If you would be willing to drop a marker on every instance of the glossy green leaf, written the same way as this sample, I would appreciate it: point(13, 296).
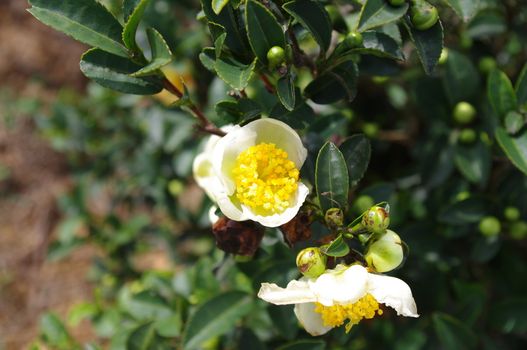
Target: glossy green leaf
point(312, 16)
point(285, 88)
point(238, 111)
point(501, 94)
point(215, 317)
point(466, 9)
point(461, 80)
point(429, 45)
point(452, 333)
point(514, 122)
point(514, 147)
point(521, 87)
point(337, 248)
point(207, 57)
point(284, 320)
point(336, 83)
point(467, 211)
point(376, 13)
point(218, 5)
point(263, 30)
point(356, 151)
point(474, 162)
point(145, 306)
point(510, 316)
point(331, 177)
point(304, 345)
point(84, 20)
point(486, 24)
point(380, 44)
point(132, 22)
point(114, 72)
point(234, 73)
point(161, 54)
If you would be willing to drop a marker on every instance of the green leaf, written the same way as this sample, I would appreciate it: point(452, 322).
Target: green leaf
point(285, 88)
point(473, 162)
point(238, 111)
point(284, 320)
point(467, 211)
point(54, 332)
point(514, 121)
point(161, 54)
point(145, 306)
point(336, 83)
point(314, 18)
point(331, 178)
point(461, 79)
point(169, 326)
point(510, 316)
point(429, 44)
point(337, 248)
point(133, 11)
point(249, 340)
point(143, 337)
point(376, 13)
point(514, 147)
point(466, 9)
point(452, 333)
point(304, 345)
point(234, 73)
point(215, 317)
point(521, 87)
point(486, 24)
point(207, 57)
point(114, 72)
point(84, 20)
point(381, 45)
point(263, 29)
point(218, 5)
point(501, 94)
point(356, 151)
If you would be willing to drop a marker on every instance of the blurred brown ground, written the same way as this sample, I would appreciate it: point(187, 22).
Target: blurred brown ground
point(35, 61)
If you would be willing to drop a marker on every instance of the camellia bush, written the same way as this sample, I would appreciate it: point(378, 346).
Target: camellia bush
point(337, 144)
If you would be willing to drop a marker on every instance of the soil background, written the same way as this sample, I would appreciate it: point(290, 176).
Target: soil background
point(35, 62)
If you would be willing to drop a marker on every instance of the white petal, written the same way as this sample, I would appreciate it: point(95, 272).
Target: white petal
point(205, 176)
point(276, 220)
point(295, 292)
point(394, 293)
point(341, 286)
point(230, 206)
point(282, 135)
point(212, 214)
point(310, 320)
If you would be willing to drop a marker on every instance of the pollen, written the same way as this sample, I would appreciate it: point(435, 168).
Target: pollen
point(333, 316)
point(265, 178)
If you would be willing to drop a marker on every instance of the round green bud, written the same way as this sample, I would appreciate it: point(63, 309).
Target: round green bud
point(370, 129)
point(465, 41)
point(311, 262)
point(489, 226)
point(354, 39)
point(518, 230)
point(486, 64)
point(276, 56)
point(461, 196)
point(334, 217)
point(511, 213)
point(444, 56)
point(175, 187)
point(386, 253)
point(485, 138)
point(464, 113)
point(423, 15)
point(468, 136)
point(363, 203)
point(396, 2)
point(376, 219)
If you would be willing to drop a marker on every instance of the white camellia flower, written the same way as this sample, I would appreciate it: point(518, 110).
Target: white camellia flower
point(252, 173)
point(345, 293)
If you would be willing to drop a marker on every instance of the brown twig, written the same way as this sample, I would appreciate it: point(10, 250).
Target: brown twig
point(299, 56)
point(268, 85)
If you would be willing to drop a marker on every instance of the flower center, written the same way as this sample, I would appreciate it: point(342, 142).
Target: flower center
point(366, 307)
point(265, 178)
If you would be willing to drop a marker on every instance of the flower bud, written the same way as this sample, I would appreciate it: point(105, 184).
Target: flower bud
point(464, 113)
point(376, 219)
point(468, 136)
point(386, 253)
point(518, 230)
point(511, 213)
point(363, 203)
point(354, 39)
point(423, 15)
point(334, 217)
point(311, 262)
point(276, 56)
point(489, 226)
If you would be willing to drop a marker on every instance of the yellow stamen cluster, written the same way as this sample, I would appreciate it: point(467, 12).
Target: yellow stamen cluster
point(366, 307)
point(265, 178)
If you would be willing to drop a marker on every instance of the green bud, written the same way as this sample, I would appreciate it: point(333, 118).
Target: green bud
point(386, 253)
point(444, 56)
point(276, 56)
point(423, 15)
point(464, 113)
point(396, 2)
point(370, 129)
point(468, 136)
point(489, 226)
point(311, 262)
point(461, 196)
point(354, 39)
point(487, 64)
point(334, 217)
point(518, 230)
point(511, 213)
point(363, 203)
point(376, 219)
point(380, 79)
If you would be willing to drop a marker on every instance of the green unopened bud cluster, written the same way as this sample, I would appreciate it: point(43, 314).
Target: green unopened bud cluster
point(276, 57)
point(311, 262)
point(334, 218)
point(386, 253)
point(376, 219)
point(423, 15)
